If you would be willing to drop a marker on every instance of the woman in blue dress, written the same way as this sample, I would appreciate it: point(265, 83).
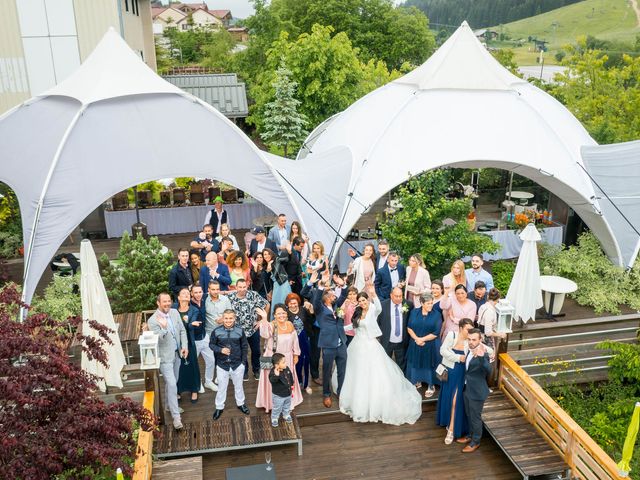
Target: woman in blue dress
point(424, 328)
point(450, 411)
point(189, 375)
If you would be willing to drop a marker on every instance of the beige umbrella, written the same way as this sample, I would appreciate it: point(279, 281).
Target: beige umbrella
point(95, 306)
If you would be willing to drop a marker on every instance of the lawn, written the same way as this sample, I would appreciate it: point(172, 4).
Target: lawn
point(605, 19)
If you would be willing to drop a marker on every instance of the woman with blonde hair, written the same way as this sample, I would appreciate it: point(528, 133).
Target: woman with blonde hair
point(317, 261)
point(238, 268)
point(454, 277)
point(225, 231)
point(418, 280)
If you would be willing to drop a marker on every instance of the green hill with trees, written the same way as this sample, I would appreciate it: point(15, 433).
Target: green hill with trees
point(483, 13)
point(611, 21)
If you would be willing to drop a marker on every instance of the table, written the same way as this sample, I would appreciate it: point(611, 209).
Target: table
point(555, 288)
point(511, 243)
point(161, 221)
point(522, 196)
point(251, 472)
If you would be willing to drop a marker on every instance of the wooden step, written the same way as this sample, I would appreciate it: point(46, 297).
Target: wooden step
point(178, 469)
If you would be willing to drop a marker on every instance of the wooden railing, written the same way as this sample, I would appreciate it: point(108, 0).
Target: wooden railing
point(585, 458)
point(144, 459)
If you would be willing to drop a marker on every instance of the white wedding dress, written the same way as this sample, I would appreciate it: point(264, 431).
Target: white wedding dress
point(374, 388)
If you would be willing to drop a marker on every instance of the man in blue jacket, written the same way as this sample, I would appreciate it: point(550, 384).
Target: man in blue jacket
point(230, 347)
point(391, 275)
point(214, 270)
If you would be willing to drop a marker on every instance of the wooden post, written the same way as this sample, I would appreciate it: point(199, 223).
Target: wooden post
point(152, 384)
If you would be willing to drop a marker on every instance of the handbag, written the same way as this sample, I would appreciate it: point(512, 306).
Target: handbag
point(265, 361)
point(442, 373)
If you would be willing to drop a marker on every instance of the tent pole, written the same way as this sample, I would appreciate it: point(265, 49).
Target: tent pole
point(510, 184)
point(43, 194)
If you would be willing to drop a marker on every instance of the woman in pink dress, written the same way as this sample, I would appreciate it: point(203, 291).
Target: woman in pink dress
point(461, 307)
point(286, 344)
point(418, 280)
point(364, 268)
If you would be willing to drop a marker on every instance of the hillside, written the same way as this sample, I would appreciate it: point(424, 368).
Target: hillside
point(604, 19)
point(483, 13)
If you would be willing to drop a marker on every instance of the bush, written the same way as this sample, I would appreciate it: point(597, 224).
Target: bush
point(141, 273)
point(502, 272)
point(601, 284)
point(10, 243)
point(419, 226)
point(61, 298)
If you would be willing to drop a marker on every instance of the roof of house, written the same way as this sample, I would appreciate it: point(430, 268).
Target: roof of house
point(155, 11)
point(202, 9)
point(220, 13)
point(221, 91)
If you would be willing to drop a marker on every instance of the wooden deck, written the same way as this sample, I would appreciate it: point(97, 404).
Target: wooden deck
point(519, 440)
point(225, 434)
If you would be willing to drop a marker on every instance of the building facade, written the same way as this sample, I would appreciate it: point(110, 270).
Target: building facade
point(43, 41)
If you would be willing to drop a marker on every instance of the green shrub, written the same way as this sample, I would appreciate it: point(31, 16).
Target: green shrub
point(139, 275)
point(9, 244)
point(502, 272)
point(601, 284)
point(61, 298)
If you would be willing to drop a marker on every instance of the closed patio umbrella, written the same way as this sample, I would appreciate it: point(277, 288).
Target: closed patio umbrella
point(524, 292)
point(629, 443)
point(95, 306)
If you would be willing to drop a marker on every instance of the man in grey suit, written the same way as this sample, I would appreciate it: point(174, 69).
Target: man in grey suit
point(476, 390)
point(280, 233)
point(172, 345)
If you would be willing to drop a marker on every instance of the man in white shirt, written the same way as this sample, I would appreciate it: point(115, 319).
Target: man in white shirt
point(280, 233)
point(217, 216)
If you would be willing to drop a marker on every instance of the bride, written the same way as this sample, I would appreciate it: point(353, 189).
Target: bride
point(374, 388)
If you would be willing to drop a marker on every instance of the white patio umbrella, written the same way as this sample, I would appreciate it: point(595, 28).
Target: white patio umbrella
point(95, 306)
point(524, 292)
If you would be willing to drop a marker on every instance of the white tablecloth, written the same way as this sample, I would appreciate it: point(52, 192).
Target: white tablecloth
point(511, 243)
point(167, 220)
point(508, 239)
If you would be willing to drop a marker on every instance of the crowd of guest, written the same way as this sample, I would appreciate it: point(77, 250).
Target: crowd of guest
point(263, 312)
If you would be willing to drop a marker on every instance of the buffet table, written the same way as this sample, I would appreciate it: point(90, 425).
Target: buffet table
point(166, 220)
point(511, 243)
point(508, 239)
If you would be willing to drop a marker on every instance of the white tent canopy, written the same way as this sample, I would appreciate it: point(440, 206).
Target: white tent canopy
point(113, 124)
point(461, 108)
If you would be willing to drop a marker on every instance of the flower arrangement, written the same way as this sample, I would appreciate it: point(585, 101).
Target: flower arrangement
point(340, 312)
point(405, 308)
point(521, 220)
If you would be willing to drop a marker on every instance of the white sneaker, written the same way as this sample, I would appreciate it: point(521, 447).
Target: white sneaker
point(201, 389)
point(211, 386)
point(177, 423)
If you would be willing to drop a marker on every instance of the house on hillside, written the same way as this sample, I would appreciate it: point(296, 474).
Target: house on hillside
point(200, 18)
point(165, 17)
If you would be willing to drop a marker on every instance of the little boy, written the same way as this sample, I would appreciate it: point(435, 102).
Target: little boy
point(281, 380)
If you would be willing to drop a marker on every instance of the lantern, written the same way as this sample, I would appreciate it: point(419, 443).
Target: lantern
point(149, 357)
point(505, 312)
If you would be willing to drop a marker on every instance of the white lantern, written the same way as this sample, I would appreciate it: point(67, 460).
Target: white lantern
point(505, 312)
point(149, 358)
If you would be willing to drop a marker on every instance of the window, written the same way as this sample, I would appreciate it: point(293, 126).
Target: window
point(136, 7)
point(126, 5)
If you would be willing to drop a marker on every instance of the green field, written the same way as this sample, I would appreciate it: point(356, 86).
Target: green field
point(604, 19)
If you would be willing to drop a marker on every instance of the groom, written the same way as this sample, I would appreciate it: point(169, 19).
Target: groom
point(476, 390)
point(332, 339)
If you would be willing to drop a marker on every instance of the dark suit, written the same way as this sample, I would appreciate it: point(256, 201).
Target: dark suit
point(332, 340)
point(292, 266)
point(179, 278)
point(383, 280)
point(253, 246)
point(475, 393)
point(386, 322)
point(223, 277)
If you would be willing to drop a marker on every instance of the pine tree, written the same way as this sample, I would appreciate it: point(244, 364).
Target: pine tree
point(283, 124)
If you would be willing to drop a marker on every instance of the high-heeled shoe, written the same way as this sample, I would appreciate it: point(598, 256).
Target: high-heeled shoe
point(448, 440)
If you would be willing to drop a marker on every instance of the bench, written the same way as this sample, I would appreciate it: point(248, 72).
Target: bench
point(523, 445)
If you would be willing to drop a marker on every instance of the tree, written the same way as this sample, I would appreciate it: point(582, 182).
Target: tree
point(139, 275)
point(420, 227)
point(605, 100)
point(61, 298)
point(283, 124)
point(326, 67)
point(217, 53)
point(54, 424)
